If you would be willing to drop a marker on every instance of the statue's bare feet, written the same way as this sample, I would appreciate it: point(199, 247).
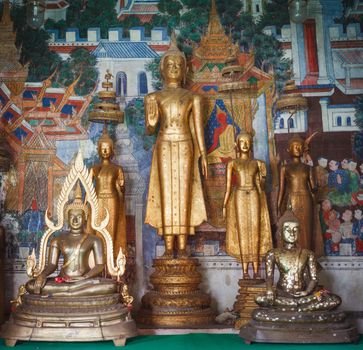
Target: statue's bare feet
point(256, 276)
point(182, 254)
point(246, 276)
point(168, 255)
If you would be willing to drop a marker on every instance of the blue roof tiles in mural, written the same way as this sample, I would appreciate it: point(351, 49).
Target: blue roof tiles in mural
point(124, 49)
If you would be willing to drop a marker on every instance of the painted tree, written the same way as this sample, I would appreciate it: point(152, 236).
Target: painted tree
point(81, 64)
point(358, 138)
point(101, 14)
point(275, 13)
point(33, 45)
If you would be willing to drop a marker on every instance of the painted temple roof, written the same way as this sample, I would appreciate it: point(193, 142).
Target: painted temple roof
point(351, 57)
point(56, 4)
point(144, 10)
point(210, 56)
point(124, 49)
point(52, 112)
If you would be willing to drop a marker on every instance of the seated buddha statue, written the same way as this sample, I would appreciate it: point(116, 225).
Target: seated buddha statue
point(76, 277)
point(297, 288)
point(77, 304)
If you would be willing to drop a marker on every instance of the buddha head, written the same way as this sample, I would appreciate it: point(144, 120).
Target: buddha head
point(173, 64)
point(289, 227)
point(105, 145)
point(244, 142)
point(76, 211)
point(296, 147)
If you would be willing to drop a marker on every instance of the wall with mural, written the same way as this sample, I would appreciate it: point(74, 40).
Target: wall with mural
point(49, 79)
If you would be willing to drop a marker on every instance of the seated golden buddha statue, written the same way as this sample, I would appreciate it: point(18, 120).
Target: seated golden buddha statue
point(297, 287)
point(78, 304)
point(76, 277)
point(297, 309)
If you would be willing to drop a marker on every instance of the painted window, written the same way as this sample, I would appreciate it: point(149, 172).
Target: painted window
point(291, 123)
point(349, 121)
point(142, 83)
point(282, 123)
point(121, 84)
point(339, 121)
point(257, 8)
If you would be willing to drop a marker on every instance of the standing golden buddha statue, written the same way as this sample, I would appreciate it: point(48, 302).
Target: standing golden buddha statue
point(297, 184)
point(110, 189)
point(175, 201)
point(248, 234)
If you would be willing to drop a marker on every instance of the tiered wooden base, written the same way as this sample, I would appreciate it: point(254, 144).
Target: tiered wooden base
point(272, 325)
point(70, 319)
point(245, 303)
point(175, 301)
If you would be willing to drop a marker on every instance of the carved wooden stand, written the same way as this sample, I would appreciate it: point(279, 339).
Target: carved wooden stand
point(245, 302)
point(175, 300)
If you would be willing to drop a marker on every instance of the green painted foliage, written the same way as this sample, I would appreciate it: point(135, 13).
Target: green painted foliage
point(101, 14)
point(359, 112)
point(80, 63)
point(34, 47)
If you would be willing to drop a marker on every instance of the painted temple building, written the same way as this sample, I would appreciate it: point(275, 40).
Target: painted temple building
point(124, 57)
point(327, 69)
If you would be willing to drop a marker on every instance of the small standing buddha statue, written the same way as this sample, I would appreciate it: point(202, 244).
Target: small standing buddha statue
point(110, 190)
point(297, 310)
point(297, 186)
point(248, 235)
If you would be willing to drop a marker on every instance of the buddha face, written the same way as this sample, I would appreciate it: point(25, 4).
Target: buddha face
point(290, 231)
point(244, 143)
point(76, 219)
point(296, 148)
point(173, 68)
point(105, 150)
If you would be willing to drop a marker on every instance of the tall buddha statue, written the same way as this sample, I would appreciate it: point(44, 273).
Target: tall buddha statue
point(110, 190)
point(248, 235)
point(297, 185)
point(175, 201)
point(76, 277)
point(296, 309)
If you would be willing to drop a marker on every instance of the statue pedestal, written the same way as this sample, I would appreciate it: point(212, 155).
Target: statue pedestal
point(273, 325)
point(245, 302)
point(175, 300)
point(70, 319)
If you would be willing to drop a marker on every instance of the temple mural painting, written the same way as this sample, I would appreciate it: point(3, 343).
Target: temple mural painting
point(239, 64)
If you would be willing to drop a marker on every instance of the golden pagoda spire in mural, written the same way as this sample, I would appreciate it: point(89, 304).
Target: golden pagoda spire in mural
point(6, 20)
point(12, 73)
point(214, 25)
point(215, 46)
